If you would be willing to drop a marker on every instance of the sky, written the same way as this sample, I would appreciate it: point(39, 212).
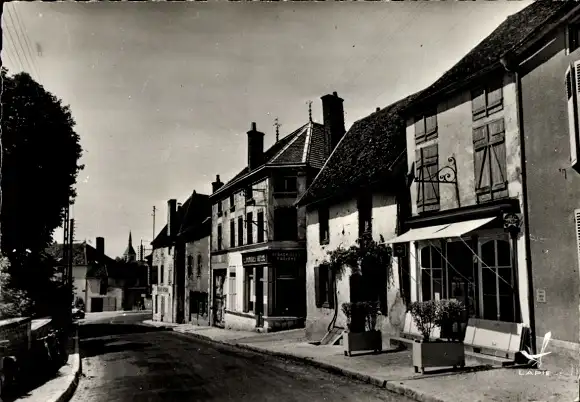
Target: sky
point(164, 93)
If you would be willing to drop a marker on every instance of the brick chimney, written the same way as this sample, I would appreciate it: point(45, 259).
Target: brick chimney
point(171, 212)
point(333, 115)
point(100, 246)
point(217, 184)
point(255, 148)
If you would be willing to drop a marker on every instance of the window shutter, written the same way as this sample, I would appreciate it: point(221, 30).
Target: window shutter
point(577, 230)
point(247, 290)
point(419, 129)
point(317, 287)
point(330, 289)
point(497, 155)
point(478, 101)
point(419, 175)
point(480, 158)
point(431, 125)
point(495, 94)
point(573, 91)
point(430, 168)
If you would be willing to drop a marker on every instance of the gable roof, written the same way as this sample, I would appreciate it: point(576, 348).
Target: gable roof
point(306, 145)
point(83, 254)
point(365, 155)
point(512, 33)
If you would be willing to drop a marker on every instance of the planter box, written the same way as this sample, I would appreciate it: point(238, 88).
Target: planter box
point(358, 341)
point(438, 354)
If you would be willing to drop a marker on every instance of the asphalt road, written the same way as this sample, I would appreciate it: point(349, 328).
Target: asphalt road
point(128, 362)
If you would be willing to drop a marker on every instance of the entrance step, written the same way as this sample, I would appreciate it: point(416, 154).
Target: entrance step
point(333, 336)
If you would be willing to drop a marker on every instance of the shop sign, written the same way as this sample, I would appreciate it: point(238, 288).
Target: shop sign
point(254, 259)
point(400, 250)
point(162, 289)
point(511, 221)
point(286, 256)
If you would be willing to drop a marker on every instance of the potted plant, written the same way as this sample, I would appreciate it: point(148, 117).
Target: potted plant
point(437, 353)
point(361, 322)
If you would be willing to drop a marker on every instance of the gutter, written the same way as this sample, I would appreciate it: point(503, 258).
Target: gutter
point(510, 66)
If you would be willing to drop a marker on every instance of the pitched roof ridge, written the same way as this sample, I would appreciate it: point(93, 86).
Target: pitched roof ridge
point(296, 135)
point(307, 142)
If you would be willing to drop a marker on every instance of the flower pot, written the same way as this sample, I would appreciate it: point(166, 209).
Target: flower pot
point(438, 354)
point(359, 341)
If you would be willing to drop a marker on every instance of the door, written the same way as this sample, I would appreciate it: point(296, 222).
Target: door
point(96, 304)
point(219, 298)
point(162, 307)
point(462, 276)
point(259, 297)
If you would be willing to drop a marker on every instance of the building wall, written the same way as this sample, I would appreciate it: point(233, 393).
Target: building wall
point(163, 256)
point(79, 282)
point(553, 190)
point(112, 301)
point(343, 230)
point(199, 281)
point(455, 138)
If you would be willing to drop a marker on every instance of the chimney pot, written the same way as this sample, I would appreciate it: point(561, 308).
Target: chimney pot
point(253, 126)
point(217, 184)
point(100, 245)
point(171, 224)
point(255, 148)
point(335, 94)
point(378, 109)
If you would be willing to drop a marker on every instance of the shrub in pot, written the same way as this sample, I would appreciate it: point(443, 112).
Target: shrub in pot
point(362, 334)
point(428, 353)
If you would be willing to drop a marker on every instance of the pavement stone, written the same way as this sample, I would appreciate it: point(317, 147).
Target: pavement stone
point(393, 370)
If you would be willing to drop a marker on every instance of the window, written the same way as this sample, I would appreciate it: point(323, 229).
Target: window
point(170, 277)
point(189, 266)
point(324, 286)
point(426, 127)
point(154, 275)
point(240, 231)
point(427, 165)
point(497, 281)
point(249, 228)
point(323, 226)
point(489, 156)
point(249, 289)
point(232, 203)
point(103, 286)
point(232, 233)
point(219, 208)
point(285, 185)
point(232, 291)
point(365, 214)
point(573, 37)
point(156, 304)
point(285, 223)
point(260, 225)
point(487, 99)
point(162, 275)
point(572, 91)
point(199, 265)
point(249, 193)
point(219, 237)
point(432, 284)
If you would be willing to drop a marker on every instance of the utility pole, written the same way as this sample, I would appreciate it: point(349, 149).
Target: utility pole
point(1, 117)
point(70, 257)
point(65, 246)
point(154, 209)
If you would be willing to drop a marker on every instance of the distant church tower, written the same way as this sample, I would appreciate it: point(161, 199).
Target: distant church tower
point(129, 255)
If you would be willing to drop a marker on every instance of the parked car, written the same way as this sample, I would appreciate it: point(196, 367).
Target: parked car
point(78, 313)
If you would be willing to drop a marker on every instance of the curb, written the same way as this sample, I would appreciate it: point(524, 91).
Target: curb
point(385, 384)
point(77, 371)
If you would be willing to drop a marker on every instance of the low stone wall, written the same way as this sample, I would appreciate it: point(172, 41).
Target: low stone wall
point(17, 331)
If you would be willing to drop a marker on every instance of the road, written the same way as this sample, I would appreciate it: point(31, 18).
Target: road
point(127, 362)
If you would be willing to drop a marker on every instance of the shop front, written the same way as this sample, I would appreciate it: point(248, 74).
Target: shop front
point(480, 263)
point(272, 291)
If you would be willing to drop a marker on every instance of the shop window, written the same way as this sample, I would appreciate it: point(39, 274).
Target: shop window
point(260, 228)
point(232, 295)
point(427, 165)
point(324, 286)
point(249, 288)
point(489, 157)
point(497, 276)
point(432, 279)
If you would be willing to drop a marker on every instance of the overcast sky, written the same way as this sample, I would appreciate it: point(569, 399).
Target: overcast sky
point(163, 93)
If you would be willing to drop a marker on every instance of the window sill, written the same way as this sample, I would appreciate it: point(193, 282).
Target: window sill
point(287, 194)
point(251, 202)
point(324, 242)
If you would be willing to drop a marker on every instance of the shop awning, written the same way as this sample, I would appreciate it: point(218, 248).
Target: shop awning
point(455, 229)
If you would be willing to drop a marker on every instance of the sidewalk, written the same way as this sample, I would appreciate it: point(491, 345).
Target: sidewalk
point(394, 370)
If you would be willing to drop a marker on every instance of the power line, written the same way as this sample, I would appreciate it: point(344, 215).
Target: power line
point(13, 43)
point(31, 68)
point(27, 42)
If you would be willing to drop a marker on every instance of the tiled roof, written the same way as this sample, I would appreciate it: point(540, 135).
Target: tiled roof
point(508, 36)
point(83, 254)
point(364, 155)
point(306, 145)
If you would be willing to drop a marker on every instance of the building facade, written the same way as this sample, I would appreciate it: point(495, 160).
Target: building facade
point(258, 236)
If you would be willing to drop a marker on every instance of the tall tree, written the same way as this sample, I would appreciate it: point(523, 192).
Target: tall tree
point(39, 167)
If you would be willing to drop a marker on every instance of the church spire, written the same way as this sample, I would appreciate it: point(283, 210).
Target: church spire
point(130, 255)
point(130, 240)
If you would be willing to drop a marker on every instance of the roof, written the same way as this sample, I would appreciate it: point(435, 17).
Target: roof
point(306, 145)
point(365, 154)
point(189, 219)
point(83, 254)
point(508, 36)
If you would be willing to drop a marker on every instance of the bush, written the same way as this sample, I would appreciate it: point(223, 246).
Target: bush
point(442, 313)
point(361, 316)
point(425, 317)
point(449, 314)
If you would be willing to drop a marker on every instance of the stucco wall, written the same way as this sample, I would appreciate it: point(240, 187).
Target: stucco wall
point(343, 228)
point(553, 190)
point(199, 280)
point(164, 256)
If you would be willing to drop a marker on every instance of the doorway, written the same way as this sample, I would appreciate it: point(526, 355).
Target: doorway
point(96, 304)
point(462, 277)
point(259, 297)
point(219, 298)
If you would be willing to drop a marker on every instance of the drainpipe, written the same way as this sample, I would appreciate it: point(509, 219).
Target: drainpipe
point(511, 66)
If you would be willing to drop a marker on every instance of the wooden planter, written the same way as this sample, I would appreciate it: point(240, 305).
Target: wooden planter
point(438, 354)
point(359, 341)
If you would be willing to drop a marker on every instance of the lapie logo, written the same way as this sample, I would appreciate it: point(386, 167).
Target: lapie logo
point(537, 358)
